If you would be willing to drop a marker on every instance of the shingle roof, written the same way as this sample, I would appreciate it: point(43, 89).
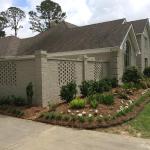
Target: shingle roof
point(60, 39)
point(139, 25)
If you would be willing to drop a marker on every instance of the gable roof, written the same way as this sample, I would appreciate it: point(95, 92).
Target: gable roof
point(62, 39)
point(139, 25)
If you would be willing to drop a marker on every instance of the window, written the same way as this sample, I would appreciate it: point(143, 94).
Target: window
point(146, 62)
point(127, 55)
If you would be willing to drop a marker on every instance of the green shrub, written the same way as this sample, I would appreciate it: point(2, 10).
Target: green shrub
point(29, 92)
point(19, 101)
point(132, 85)
point(87, 88)
point(146, 72)
point(90, 119)
point(131, 74)
point(68, 92)
point(18, 113)
point(111, 82)
point(49, 115)
point(94, 104)
point(6, 101)
point(66, 117)
point(114, 82)
point(82, 119)
point(102, 86)
point(77, 103)
point(107, 99)
point(58, 116)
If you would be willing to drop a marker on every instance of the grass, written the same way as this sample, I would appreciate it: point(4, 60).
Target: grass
point(141, 124)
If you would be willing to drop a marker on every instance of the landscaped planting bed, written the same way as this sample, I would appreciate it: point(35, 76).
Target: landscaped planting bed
point(103, 115)
point(101, 103)
point(23, 112)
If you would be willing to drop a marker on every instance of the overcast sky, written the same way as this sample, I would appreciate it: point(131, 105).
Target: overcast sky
point(83, 12)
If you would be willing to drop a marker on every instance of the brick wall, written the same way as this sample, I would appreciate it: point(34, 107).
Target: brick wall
point(49, 74)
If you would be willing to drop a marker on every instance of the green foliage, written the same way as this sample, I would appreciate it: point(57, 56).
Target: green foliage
point(132, 74)
point(87, 88)
point(90, 119)
point(19, 101)
point(13, 100)
point(2, 34)
point(66, 117)
point(94, 103)
point(3, 25)
point(132, 85)
point(77, 103)
point(29, 92)
point(68, 92)
point(146, 72)
point(82, 119)
point(17, 113)
point(107, 99)
point(47, 13)
point(102, 86)
point(142, 122)
point(14, 16)
point(6, 101)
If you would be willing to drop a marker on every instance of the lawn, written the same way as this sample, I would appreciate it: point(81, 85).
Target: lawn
point(139, 127)
point(142, 123)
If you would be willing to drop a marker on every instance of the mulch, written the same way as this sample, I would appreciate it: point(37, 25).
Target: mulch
point(95, 124)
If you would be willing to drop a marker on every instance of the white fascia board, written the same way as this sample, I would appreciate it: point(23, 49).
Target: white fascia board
point(134, 36)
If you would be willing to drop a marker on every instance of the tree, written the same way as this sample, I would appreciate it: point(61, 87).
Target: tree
point(14, 16)
point(47, 13)
point(3, 25)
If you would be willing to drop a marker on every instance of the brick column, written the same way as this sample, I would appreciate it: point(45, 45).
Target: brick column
point(85, 67)
point(41, 78)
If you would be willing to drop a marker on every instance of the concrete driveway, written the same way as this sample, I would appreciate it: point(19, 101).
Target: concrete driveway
point(17, 134)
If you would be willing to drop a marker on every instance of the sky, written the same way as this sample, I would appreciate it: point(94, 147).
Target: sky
point(83, 12)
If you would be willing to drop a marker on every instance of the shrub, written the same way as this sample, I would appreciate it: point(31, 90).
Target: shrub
point(132, 85)
point(102, 86)
point(77, 103)
point(107, 99)
point(82, 119)
point(68, 92)
point(94, 103)
point(114, 82)
point(90, 119)
point(132, 75)
point(87, 88)
point(18, 113)
point(66, 117)
point(111, 82)
point(19, 101)
point(6, 101)
point(58, 116)
point(29, 92)
point(146, 72)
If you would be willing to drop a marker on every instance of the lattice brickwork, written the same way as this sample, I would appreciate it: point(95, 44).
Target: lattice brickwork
point(66, 72)
point(7, 74)
point(98, 71)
